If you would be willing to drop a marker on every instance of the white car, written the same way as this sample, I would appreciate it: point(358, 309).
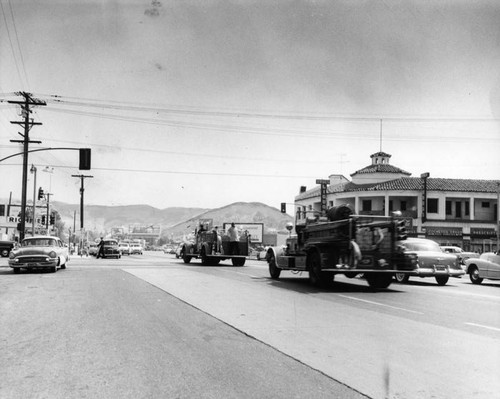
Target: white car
point(462, 255)
point(124, 248)
point(39, 252)
point(135, 249)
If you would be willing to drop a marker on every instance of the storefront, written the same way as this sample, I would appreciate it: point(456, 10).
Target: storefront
point(446, 235)
point(483, 239)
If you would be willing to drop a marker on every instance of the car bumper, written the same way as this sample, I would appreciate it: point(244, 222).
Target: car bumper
point(33, 264)
point(438, 271)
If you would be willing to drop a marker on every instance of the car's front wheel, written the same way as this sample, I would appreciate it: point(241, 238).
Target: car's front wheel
point(474, 275)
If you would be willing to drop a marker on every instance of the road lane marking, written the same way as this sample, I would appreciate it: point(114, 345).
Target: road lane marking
point(243, 274)
point(483, 326)
point(379, 304)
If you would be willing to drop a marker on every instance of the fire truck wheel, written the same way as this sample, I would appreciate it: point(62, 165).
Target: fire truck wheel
point(238, 261)
point(317, 277)
point(186, 258)
point(274, 271)
point(401, 278)
point(204, 257)
point(378, 280)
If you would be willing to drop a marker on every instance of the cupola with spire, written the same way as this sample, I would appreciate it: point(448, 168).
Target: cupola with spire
point(379, 171)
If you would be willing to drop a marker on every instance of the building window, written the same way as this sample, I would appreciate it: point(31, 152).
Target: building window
point(448, 207)
point(367, 205)
point(485, 204)
point(432, 205)
point(458, 209)
point(391, 206)
point(403, 206)
point(467, 208)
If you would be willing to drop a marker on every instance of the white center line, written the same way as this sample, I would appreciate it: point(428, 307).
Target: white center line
point(379, 304)
point(483, 326)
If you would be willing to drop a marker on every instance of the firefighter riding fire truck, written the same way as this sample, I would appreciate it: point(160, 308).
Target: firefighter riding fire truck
point(212, 246)
point(336, 241)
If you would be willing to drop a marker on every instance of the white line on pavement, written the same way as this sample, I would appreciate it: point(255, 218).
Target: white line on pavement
point(379, 304)
point(483, 326)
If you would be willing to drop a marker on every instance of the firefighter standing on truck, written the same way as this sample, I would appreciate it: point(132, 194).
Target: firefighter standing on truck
point(233, 240)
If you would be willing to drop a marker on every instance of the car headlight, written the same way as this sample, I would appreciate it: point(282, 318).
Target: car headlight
point(12, 255)
point(52, 254)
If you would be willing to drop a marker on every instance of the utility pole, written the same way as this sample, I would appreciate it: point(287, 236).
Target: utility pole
point(81, 177)
point(28, 124)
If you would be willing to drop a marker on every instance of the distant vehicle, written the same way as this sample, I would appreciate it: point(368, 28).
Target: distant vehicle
point(261, 253)
point(93, 248)
point(135, 249)
point(487, 266)
point(6, 247)
point(168, 249)
point(111, 249)
point(39, 252)
point(124, 248)
point(431, 261)
point(463, 255)
point(204, 248)
point(178, 251)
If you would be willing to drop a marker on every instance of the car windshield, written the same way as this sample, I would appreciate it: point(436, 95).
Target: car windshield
point(110, 242)
point(422, 246)
point(39, 242)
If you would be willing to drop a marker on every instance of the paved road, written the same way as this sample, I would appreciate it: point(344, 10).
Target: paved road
point(97, 331)
point(410, 341)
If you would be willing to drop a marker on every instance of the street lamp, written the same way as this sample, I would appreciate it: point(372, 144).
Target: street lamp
point(33, 170)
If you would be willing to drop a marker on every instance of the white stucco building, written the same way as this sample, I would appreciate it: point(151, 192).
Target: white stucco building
point(461, 212)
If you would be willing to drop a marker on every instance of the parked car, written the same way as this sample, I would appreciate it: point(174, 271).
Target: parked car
point(430, 260)
point(135, 249)
point(124, 248)
point(39, 252)
point(463, 255)
point(111, 249)
point(487, 266)
point(6, 247)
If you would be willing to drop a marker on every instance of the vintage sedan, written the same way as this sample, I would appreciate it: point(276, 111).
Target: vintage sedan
point(40, 252)
point(463, 255)
point(111, 249)
point(124, 248)
point(430, 260)
point(487, 266)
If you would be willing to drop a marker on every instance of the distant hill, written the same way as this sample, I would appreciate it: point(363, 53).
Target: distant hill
point(103, 218)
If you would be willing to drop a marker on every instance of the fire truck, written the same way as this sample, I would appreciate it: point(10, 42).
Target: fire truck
point(339, 242)
point(211, 250)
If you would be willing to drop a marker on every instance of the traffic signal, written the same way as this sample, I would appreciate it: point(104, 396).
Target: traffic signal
point(43, 219)
point(84, 159)
point(401, 233)
point(40, 193)
point(52, 219)
point(283, 207)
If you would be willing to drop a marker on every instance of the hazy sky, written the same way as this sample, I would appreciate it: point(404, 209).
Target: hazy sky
point(205, 103)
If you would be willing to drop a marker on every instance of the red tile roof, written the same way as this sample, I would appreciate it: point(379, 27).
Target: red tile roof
point(412, 184)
